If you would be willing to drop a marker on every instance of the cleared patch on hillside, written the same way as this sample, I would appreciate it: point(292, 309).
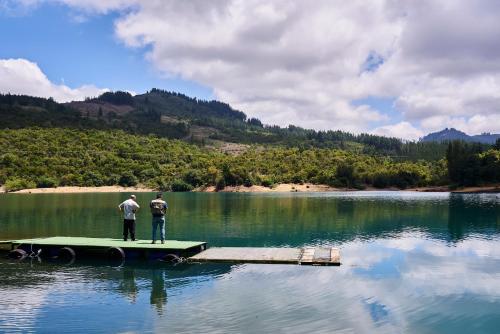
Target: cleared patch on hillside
point(99, 109)
point(228, 148)
point(172, 120)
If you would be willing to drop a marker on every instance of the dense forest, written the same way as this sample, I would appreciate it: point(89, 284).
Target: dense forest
point(37, 157)
point(150, 139)
point(469, 164)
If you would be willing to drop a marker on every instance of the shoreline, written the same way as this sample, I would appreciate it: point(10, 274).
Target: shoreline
point(81, 190)
point(283, 187)
point(307, 187)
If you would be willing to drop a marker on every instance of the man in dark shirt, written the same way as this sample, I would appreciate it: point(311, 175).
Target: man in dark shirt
point(158, 210)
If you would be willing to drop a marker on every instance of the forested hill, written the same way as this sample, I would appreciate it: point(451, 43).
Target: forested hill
point(205, 123)
point(107, 141)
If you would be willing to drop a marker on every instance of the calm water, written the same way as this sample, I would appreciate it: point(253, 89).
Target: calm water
point(412, 262)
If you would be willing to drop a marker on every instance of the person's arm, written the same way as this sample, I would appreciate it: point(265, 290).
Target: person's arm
point(120, 207)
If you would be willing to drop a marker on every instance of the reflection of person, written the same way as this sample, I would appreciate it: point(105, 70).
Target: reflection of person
point(158, 209)
point(128, 285)
point(129, 208)
point(158, 296)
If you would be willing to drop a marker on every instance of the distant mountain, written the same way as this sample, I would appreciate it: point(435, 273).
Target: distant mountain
point(454, 134)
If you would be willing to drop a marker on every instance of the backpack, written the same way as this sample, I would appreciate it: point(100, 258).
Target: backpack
point(157, 208)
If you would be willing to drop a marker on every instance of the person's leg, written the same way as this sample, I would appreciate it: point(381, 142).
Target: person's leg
point(125, 230)
point(154, 226)
point(132, 230)
point(162, 229)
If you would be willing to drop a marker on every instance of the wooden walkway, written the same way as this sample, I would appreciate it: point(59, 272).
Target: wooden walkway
point(306, 256)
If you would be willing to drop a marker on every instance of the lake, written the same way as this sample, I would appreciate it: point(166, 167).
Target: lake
point(411, 262)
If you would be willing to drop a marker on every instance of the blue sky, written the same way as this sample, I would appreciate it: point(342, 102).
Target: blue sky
point(388, 68)
point(76, 52)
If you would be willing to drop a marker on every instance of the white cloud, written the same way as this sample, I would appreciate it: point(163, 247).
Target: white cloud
point(306, 63)
point(302, 63)
point(21, 76)
point(400, 130)
point(279, 61)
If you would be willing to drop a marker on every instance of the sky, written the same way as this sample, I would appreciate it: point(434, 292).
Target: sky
point(395, 68)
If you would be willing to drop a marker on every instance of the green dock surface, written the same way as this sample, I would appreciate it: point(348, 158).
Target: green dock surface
point(107, 242)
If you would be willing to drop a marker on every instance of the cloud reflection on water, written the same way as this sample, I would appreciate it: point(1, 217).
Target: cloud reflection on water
point(408, 283)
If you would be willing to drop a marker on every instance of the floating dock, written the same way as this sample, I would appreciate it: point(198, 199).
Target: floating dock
point(72, 247)
point(305, 256)
point(172, 250)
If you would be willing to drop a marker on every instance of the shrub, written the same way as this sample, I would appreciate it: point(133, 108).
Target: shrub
point(46, 182)
point(8, 159)
point(127, 180)
point(247, 182)
point(112, 179)
point(180, 186)
point(70, 180)
point(267, 183)
point(220, 184)
point(381, 181)
point(18, 184)
point(193, 178)
point(92, 179)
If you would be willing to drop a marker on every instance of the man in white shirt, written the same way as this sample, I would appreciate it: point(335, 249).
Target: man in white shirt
point(129, 208)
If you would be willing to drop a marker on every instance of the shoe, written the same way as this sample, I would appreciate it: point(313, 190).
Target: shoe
point(153, 242)
point(163, 241)
point(133, 239)
point(124, 239)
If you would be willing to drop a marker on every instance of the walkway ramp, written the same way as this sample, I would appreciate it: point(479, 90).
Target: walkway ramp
point(306, 255)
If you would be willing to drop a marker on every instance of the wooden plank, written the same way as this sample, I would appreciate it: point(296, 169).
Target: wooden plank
point(308, 255)
point(335, 256)
point(322, 255)
point(248, 255)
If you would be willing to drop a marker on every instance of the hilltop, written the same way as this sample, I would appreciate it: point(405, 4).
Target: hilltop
point(454, 134)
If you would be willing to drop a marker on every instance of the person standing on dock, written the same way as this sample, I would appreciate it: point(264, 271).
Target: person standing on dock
point(158, 210)
point(129, 208)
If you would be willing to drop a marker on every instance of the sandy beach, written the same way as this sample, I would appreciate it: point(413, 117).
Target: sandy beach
point(74, 190)
point(307, 187)
point(284, 187)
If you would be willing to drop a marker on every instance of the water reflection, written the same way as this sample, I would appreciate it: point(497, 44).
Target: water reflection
point(128, 286)
point(43, 295)
point(260, 220)
point(158, 297)
point(411, 283)
point(417, 263)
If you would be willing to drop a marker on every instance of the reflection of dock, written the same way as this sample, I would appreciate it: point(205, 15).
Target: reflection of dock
point(307, 255)
point(195, 251)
